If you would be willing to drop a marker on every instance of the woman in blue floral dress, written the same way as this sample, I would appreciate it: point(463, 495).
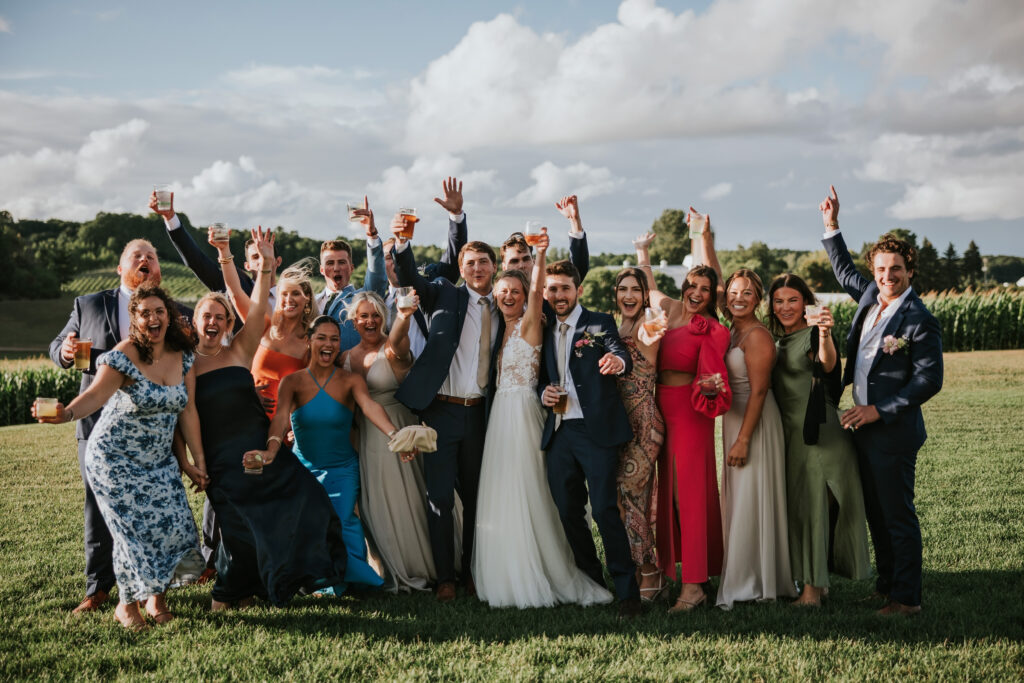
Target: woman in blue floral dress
point(146, 382)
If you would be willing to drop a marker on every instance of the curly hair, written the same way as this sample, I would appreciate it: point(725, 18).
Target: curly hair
point(712, 276)
point(890, 244)
point(792, 281)
point(296, 274)
point(179, 336)
point(641, 278)
point(755, 281)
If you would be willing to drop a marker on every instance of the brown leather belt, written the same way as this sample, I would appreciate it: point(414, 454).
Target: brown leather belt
point(458, 400)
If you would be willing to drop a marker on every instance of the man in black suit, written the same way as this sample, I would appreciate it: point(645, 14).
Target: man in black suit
point(449, 387)
point(103, 318)
point(583, 354)
point(894, 362)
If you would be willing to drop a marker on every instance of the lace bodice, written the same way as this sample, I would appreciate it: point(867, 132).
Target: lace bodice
point(518, 363)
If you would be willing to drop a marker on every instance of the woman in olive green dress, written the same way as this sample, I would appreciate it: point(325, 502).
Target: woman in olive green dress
point(827, 528)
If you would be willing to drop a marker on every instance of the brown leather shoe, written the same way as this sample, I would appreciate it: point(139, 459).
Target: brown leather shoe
point(446, 591)
point(91, 602)
point(470, 588)
point(208, 575)
point(899, 609)
point(630, 608)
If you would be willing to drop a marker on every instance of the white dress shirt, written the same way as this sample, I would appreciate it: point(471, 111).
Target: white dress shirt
point(124, 295)
point(875, 321)
point(461, 379)
point(573, 410)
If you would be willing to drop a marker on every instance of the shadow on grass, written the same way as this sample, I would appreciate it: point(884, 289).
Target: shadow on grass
point(964, 606)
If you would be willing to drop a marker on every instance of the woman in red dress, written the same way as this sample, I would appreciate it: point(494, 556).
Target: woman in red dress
point(689, 518)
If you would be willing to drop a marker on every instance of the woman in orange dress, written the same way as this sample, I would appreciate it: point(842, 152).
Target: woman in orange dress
point(283, 348)
point(692, 390)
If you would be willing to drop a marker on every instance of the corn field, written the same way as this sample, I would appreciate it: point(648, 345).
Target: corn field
point(971, 321)
point(19, 388)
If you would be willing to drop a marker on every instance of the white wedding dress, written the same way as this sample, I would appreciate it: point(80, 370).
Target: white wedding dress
point(521, 557)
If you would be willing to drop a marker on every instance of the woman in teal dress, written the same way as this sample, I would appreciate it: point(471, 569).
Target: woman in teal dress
point(827, 527)
point(321, 402)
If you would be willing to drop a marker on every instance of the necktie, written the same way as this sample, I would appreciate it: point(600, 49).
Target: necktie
point(330, 300)
point(563, 329)
point(484, 360)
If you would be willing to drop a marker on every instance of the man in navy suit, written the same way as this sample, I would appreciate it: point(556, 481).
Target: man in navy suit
point(583, 354)
point(449, 387)
point(103, 318)
point(894, 362)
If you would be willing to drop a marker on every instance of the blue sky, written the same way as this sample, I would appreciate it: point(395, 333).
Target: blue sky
point(278, 113)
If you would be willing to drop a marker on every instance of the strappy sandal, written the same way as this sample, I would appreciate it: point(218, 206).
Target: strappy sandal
point(660, 591)
point(686, 605)
point(160, 616)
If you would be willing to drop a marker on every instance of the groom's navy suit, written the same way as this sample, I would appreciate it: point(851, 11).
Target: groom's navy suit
point(94, 316)
point(898, 383)
point(582, 454)
point(460, 428)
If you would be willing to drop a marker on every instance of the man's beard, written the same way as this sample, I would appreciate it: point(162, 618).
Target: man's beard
point(134, 279)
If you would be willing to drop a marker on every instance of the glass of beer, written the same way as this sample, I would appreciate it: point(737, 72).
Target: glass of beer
point(697, 223)
point(46, 407)
point(562, 402)
point(219, 232)
point(533, 232)
point(257, 467)
point(405, 297)
point(410, 218)
point(813, 314)
point(163, 197)
point(83, 353)
point(708, 383)
point(352, 208)
point(652, 321)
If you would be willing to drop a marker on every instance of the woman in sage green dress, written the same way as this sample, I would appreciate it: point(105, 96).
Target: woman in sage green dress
point(827, 527)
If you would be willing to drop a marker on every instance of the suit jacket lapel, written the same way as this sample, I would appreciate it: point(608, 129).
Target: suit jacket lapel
point(892, 327)
point(110, 310)
point(461, 306)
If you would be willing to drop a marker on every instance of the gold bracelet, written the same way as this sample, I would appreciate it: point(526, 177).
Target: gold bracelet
point(268, 270)
point(225, 259)
point(273, 438)
point(833, 224)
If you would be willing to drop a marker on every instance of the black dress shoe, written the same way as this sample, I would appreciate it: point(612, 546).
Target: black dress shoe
point(630, 608)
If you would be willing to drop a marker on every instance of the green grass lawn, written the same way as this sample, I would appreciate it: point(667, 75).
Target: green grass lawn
point(970, 499)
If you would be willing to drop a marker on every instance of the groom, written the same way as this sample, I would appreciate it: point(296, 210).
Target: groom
point(894, 362)
point(583, 354)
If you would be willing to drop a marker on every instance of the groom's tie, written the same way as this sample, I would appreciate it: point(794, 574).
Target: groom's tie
point(563, 329)
point(484, 361)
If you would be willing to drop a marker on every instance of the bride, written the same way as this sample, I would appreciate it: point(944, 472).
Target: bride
point(521, 557)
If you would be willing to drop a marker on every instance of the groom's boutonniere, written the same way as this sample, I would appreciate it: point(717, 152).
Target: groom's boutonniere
point(891, 344)
point(588, 339)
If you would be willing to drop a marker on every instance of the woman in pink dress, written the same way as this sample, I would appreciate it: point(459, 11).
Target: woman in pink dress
point(689, 518)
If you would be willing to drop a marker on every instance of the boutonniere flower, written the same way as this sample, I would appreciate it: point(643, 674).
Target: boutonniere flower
point(891, 344)
point(588, 339)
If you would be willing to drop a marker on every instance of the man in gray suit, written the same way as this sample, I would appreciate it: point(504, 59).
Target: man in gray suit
point(103, 318)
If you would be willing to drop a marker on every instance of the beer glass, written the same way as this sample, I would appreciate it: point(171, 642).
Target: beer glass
point(83, 353)
point(409, 215)
point(697, 223)
point(163, 197)
point(562, 402)
point(46, 407)
point(220, 232)
point(405, 297)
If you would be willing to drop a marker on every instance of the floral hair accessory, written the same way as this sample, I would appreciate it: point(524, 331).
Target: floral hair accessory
point(891, 344)
point(588, 339)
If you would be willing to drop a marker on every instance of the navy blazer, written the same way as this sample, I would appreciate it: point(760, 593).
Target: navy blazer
point(94, 316)
point(603, 413)
point(900, 382)
point(445, 305)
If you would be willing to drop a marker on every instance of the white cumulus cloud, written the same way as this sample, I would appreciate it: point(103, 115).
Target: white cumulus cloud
point(717, 191)
point(551, 183)
point(399, 187)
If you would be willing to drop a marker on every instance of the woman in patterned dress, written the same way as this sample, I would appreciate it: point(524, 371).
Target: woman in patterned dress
point(146, 383)
point(638, 458)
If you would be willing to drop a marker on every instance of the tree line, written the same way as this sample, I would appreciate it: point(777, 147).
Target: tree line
point(37, 257)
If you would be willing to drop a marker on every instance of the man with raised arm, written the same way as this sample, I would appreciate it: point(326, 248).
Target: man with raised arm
point(516, 254)
point(894, 362)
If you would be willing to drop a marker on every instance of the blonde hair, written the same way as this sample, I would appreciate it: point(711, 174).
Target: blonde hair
point(297, 274)
point(220, 298)
point(373, 298)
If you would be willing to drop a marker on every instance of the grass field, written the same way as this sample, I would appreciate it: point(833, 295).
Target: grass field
point(970, 499)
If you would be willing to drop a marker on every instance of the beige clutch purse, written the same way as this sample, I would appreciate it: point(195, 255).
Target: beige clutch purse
point(414, 437)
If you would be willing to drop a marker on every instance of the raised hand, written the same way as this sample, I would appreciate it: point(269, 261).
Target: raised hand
point(452, 190)
point(168, 214)
point(825, 320)
point(543, 242)
point(830, 210)
point(406, 311)
point(365, 216)
point(569, 207)
point(644, 241)
point(67, 348)
point(264, 242)
point(707, 220)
